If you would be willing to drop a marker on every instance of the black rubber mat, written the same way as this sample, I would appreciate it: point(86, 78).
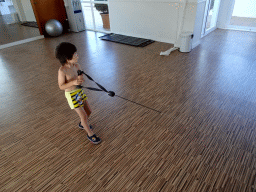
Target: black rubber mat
point(30, 24)
point(134, 41)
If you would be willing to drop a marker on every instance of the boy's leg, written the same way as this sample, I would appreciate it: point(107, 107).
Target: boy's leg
point(84, 120)
point(87, 108)
point(88, 112)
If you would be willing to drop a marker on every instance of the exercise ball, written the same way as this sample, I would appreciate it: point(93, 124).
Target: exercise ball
point(53, 27)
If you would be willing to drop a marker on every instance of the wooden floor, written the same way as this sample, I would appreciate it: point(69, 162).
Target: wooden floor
point(203, 140)
point(15, 32)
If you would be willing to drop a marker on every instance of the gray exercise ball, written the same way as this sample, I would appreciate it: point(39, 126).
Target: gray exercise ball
point(53, 27)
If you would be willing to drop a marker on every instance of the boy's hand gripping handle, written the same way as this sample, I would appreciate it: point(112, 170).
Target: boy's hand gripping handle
point(80, 74)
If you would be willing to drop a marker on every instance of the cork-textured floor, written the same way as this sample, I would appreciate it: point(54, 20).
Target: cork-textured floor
point(203, 140)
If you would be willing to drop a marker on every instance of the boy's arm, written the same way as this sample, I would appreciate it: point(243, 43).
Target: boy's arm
point(62, 81)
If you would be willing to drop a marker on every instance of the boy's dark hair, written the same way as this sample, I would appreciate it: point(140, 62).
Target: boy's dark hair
point(65, 51)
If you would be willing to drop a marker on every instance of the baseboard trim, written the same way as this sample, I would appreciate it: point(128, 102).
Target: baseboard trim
point(195, 44)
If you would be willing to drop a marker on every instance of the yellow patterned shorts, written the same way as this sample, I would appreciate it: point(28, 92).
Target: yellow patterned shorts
point(76, 98)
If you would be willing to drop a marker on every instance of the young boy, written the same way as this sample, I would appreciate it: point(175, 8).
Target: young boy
point(68, 80)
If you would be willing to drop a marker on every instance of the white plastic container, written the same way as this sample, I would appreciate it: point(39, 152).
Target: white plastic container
point(186, 42)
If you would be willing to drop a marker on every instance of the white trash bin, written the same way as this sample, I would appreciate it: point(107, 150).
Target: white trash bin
point(186, 42)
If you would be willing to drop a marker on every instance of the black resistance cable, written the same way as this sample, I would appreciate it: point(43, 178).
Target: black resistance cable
point(110, 93)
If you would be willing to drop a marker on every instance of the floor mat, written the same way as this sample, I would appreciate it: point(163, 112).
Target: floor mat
point(134, 41)
point(30, 24)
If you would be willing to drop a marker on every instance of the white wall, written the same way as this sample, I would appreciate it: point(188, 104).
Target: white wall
point(19, 9)
point(153, 19)
point(28, 10)
point(24, 10)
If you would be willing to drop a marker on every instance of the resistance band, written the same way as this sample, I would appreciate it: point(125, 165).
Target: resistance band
point(110, 93)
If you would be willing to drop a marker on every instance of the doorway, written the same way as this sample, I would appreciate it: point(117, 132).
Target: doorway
point(96, 15)
point(211, 16)
point(243, 16)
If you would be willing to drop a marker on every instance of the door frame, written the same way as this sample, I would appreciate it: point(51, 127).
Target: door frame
point(92, 2)
point(206, 13)
point(37, 17)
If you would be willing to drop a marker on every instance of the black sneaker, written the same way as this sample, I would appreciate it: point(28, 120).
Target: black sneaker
point(81, 126)
point(94, 139)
